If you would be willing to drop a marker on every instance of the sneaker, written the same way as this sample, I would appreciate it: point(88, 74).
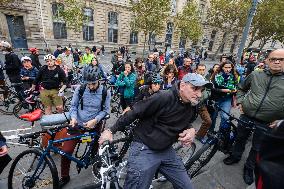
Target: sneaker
point(248, 176)
point(230, 160)
point(63, 181)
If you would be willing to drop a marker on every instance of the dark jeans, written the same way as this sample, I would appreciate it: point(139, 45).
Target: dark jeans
point(242, 136)
point(125, 102)
point(143, 163)
point(16, 78)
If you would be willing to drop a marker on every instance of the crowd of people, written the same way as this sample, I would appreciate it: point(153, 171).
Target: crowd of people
point(165, 95)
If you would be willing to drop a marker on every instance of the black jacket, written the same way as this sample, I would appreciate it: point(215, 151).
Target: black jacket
point(161, 118)
point(12, 64)
point(35, 61)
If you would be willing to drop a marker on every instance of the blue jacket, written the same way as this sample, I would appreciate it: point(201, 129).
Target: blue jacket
point(32, 73)
point(91, 105)
point(128, 83)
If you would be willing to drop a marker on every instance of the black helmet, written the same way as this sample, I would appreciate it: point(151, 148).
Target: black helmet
point(152, 77)
point(91, 74)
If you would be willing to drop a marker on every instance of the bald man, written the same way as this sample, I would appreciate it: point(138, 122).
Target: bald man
point(261, 101)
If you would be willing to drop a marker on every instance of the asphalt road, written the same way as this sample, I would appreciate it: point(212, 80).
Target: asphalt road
point(215, 175)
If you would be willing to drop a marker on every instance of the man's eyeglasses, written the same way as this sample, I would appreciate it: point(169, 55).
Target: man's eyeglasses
point(276, 59)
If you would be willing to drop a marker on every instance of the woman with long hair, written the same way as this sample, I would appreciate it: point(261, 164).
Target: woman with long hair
point(126, 82)
point(225, 82)
point(140, 70)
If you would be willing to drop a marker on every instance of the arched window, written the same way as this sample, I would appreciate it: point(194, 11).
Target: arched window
point(59, 26)
point(88, 28)
point(113, 27)
point(169, 33)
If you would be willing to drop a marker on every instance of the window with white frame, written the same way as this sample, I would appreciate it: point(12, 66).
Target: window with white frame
point(59, 26)
point(113, 27)
point(88, 28)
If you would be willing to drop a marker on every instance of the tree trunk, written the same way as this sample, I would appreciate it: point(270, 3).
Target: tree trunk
point(263, 42)
point(145, 37)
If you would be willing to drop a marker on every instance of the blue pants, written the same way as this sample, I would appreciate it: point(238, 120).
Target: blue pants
point(226, 105)
point(143, 163)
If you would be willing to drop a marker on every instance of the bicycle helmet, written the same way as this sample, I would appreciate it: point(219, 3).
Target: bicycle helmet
point(25, 58)
point(151, 78)
point(32, 50)
point(49, 57)
point(91, 74)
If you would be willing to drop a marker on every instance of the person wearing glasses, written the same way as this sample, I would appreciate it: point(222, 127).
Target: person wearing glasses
point(261, 100)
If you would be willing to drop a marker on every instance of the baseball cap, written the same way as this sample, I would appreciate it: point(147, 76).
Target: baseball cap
point(25, 58)
point(196, 80)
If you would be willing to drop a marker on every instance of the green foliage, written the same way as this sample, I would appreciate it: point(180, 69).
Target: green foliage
point(73, 14)
point(228, 15)
point(188, 22)
point(268, 23)
point(149, 16)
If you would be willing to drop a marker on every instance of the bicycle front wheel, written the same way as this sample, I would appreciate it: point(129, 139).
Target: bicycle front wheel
point(200, 159)
point(23, 107)
point(8, 100)
point(25, 175)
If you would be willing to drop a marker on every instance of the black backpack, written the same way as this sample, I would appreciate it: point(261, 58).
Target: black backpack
point(81, 93)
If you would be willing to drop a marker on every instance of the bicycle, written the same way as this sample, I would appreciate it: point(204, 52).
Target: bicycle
point(122, 144)
point(39, 170)
point(29, 105)
point(9, 98)
point(216, 141)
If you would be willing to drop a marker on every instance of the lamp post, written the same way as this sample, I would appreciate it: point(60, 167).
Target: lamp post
point(246, 30)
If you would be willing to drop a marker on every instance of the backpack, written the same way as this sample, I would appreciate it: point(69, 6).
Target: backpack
point(81, 93)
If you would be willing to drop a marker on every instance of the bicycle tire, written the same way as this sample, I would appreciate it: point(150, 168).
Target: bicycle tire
point(7, 104)
point(196, 162)
point(47, 163)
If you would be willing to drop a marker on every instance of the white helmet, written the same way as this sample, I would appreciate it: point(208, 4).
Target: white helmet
point(25, 58)
point(5, 44)
point(49, 57)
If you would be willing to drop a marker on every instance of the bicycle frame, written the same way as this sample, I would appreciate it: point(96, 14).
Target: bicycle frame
point(46, 153)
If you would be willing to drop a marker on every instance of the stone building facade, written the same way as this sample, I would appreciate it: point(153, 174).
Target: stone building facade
point(32, 23)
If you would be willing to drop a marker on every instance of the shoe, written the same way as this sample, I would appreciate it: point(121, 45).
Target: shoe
point(63, 181)
point(230, 160)
point(248, 176)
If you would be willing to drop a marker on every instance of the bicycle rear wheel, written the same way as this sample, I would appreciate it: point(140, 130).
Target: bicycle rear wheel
point(200, 159)
point(22, 174)
point(8, 101)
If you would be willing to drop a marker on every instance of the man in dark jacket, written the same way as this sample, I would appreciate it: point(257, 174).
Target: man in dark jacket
point(250, 65)
point(34, 56)
point(12, 65)
point(260, 98)
point(164, 118)
point(58, 51)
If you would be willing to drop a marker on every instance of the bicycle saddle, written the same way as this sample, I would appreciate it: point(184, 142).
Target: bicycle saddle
point(32, 116)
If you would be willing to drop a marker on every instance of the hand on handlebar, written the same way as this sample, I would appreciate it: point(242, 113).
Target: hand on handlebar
point(105, 136)
point(90, 124)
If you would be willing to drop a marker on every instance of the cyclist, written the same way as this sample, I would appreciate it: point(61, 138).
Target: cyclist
point(126, 83)
point(117, 68)
point(152, 85)
point(12, 66)
point(67, 62)
point(185, 68)
point(4, 157)
point(164, 118)
point(88, 56)
point(170, 76)
point(260, 99)
point(50, 78)
point(34, 57)
point(28, 72)
point(87, 112)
